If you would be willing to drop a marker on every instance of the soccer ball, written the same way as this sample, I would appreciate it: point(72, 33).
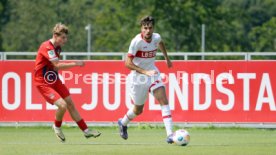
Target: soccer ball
point(181, 137)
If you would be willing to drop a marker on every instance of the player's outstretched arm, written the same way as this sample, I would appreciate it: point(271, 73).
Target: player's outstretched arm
point(67, 65)
point(164, 51)
point(130, 65)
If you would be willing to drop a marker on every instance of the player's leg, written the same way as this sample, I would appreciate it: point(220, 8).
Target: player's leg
point(61, 104)
point(138, 94)
point(160, 95)
point(77, 118)
point(72, 109)
point(52, 97)
point(132, 113)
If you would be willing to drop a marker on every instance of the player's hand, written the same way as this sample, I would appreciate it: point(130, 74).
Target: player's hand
point(80, 63)
point(169, 63)
point(151, 72)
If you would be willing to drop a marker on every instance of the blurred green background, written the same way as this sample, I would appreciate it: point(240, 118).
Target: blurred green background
point(231, 25)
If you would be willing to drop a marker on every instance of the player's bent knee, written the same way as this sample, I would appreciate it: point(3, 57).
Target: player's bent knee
point(61, 104)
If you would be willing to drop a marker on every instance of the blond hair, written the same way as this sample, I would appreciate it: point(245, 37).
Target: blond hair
point(60, 29)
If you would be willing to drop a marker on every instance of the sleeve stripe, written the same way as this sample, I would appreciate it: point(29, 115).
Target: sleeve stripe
point(130, 55)
point(54, 59)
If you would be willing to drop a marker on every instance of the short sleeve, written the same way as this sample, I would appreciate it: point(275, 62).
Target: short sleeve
point(133, 48)
point(49, 54)
point(158, 38)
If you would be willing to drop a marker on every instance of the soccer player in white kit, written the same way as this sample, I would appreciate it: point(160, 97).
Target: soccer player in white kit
point(145, 76)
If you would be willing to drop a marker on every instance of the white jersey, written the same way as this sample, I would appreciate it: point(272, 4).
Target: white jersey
point(144, 52)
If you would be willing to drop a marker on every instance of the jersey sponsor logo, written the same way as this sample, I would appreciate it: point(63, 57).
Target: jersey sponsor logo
point(146, 54)
point(51, 54)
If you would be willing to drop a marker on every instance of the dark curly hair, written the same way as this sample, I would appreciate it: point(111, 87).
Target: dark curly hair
point(147, 20)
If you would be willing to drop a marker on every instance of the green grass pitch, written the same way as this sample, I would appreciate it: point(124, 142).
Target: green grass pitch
point(142, 141)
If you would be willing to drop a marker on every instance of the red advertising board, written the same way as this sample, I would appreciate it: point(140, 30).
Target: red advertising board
point(198, 91)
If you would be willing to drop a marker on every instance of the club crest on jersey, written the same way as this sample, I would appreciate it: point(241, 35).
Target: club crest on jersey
point(51, 54)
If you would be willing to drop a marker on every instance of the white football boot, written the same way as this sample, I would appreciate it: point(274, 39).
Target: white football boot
point(59, 133)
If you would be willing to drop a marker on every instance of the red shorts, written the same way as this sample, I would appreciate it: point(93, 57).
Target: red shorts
point(53, 92)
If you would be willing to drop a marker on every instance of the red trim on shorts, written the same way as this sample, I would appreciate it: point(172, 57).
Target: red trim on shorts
point(154, 83)
point(168, 116)
point(132, 102)
point(130, 55)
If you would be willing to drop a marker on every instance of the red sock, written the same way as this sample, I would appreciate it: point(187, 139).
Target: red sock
point(82, 125)
point(58, 123)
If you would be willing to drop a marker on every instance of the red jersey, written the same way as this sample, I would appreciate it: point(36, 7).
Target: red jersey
point(47, 52)
point(45, 76)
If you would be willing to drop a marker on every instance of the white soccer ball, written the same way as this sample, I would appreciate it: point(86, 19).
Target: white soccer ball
point(181, 137)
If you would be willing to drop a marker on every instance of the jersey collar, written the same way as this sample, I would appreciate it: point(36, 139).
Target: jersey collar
point(145, 39)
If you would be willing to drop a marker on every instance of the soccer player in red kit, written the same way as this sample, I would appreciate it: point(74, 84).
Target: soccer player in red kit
point(50, 86)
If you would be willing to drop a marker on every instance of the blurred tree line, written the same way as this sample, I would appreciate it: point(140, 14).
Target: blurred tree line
point(231, 25)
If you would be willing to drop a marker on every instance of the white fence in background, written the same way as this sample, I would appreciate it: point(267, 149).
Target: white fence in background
point(114, 124)
point(122, 55)
point(182, 55)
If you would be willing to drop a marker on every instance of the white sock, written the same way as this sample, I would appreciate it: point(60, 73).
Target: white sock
point(86, 130)
point(128, 117)
point(167, 119)
point(56, 127)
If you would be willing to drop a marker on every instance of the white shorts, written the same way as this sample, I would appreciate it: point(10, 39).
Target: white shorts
point(141, 85)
